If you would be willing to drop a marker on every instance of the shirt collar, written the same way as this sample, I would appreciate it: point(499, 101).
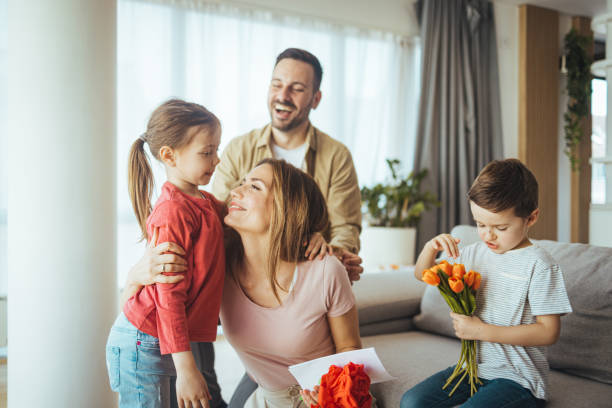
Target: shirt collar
point(266, 137)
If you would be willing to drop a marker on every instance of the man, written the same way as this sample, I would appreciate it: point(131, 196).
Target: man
point(293, 92)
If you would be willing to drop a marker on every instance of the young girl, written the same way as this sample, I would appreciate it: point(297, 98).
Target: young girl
point(150, 340)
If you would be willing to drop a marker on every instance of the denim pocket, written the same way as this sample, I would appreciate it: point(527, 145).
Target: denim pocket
point(112, 364)
point(149, 358)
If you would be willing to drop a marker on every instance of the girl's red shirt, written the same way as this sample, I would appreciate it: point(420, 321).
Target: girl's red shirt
point(188, 310)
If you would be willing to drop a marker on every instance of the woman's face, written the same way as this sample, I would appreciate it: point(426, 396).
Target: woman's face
point(250, 206)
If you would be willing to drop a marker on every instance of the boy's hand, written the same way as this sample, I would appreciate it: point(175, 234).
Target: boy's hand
point(192, 390)
point(446, 243)
point(467, 327)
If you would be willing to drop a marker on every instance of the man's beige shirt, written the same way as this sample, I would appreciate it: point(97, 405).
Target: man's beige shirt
point(327, 160)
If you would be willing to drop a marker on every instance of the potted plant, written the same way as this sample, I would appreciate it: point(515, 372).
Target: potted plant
point(392, 211)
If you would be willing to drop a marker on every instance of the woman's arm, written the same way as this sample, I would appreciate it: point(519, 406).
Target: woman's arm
point(345, 331)
point(150, 269)
point(544, 332)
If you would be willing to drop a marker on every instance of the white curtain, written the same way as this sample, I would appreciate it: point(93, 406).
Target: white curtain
point(3, 150)
point(222, 57)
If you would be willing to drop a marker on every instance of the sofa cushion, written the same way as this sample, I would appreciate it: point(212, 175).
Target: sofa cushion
point(387, 296)
point(435, 314)
point(585, 344)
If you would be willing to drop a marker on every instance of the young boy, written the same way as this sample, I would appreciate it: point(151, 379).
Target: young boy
point(518, 305)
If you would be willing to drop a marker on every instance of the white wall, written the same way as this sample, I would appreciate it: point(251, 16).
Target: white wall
point(507, 29)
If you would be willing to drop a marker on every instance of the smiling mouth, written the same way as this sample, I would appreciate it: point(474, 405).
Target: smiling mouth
point(235, 207)
point(279, 107)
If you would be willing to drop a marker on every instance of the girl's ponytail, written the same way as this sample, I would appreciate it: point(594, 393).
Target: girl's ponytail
point(140, 183)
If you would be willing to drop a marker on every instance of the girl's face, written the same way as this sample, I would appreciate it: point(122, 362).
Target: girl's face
point(196, 161)
point(250, 207)
point(502, 231)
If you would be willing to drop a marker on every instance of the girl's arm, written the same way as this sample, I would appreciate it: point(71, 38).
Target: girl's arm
point(427, 257)
point(191, 387)
point(544, 332)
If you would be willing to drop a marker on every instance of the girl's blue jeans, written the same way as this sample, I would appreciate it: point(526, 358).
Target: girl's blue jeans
point(499, 393)
point(136, 368)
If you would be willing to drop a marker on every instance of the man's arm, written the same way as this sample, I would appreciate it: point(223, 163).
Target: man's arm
point(344, 204)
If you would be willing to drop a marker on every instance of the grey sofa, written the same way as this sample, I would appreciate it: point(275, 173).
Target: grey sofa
point(408, 324)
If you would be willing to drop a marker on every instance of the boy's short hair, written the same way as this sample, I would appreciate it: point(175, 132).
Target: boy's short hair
point(504, 184)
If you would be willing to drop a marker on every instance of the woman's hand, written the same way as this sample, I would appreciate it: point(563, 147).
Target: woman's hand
point(317, 247)
point(310, 397)
point(156, 261)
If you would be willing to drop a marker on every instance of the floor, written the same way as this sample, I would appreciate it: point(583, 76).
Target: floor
point(3, 382)
point(228, 366)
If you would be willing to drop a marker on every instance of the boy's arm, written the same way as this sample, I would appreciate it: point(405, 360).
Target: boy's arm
point(544, 332)
point(427, 257)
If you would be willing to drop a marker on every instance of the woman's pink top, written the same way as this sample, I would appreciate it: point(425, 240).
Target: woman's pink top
point(188, 310)
point(269, 340)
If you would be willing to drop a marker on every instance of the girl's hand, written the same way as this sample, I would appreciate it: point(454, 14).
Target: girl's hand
point(467, 327)
point(317, 247)
point(446, 243)
point(192, 390)
point(311, 397)
point(156, 261)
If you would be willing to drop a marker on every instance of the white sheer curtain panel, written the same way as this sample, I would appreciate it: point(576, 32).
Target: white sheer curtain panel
point(222, 57)
point(3, 151)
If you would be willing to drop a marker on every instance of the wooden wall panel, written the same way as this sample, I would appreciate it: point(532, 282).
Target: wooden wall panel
point(538, 108)
point(581, 179)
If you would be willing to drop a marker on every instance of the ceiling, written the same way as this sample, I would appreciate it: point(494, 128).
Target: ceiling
point(588, 8)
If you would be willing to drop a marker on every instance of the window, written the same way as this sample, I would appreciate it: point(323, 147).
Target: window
point(222, 57)
point(598, 140)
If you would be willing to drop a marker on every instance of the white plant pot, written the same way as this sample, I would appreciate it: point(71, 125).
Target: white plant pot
point(382, 247)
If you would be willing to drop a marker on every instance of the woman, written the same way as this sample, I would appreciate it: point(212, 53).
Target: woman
point(279, 308)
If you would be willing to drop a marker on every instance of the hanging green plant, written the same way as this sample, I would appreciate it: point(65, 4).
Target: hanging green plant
point(578, 63)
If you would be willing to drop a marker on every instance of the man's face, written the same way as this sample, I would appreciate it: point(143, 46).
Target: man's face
point(291, 95)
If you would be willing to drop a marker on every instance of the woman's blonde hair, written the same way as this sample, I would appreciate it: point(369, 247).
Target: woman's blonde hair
point(299, 210)
point(168, 126)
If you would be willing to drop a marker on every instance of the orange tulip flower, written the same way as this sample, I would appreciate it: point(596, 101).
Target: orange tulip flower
point(458, 271)
point(477, 279)
point(468, 279)
point(430, 277)
point(445, 267)
point(456, 284)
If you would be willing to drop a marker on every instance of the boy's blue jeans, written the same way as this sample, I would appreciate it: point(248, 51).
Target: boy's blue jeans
point(499, 393)
point(136, 368)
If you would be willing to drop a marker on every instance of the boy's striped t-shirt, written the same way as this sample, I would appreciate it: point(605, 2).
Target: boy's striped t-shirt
point(517, 286)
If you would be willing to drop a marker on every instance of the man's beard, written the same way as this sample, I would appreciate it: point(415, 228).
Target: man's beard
point(292, 124)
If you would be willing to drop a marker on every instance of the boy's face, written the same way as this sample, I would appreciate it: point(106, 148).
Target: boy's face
point(502, 231)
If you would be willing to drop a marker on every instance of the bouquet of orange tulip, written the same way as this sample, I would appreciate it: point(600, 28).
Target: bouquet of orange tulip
point(458, 288)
